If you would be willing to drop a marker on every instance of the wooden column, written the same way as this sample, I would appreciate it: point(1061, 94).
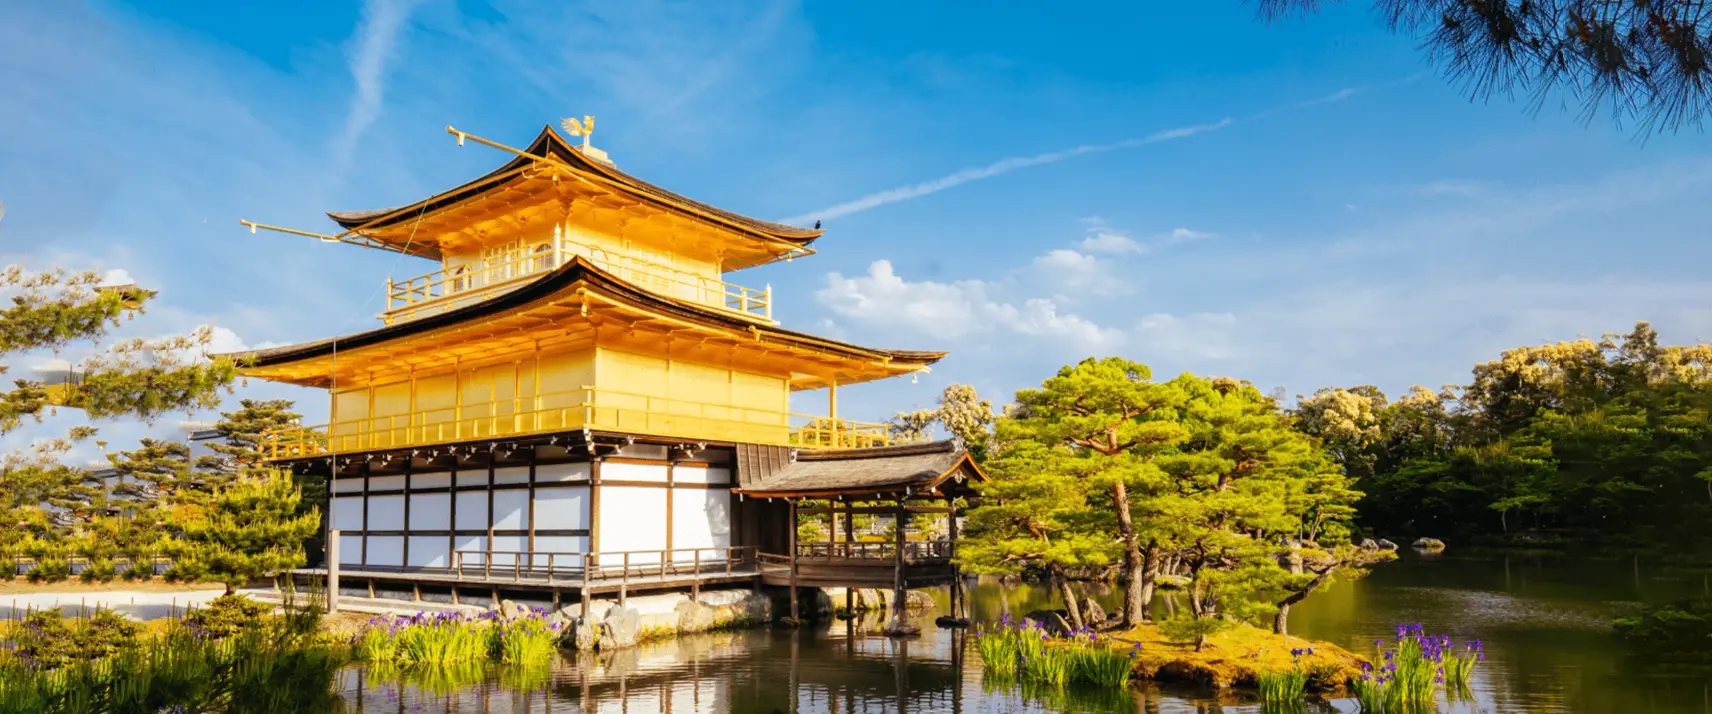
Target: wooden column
point(957, 603)
point(899, 592)
point(332, 551)
point(793, 555)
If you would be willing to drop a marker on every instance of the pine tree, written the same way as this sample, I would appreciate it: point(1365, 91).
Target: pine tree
point(140, 378)
point(251, 529)
point(1038, 510)
point(1108, 419)
point(157, 471)
point(240, 451)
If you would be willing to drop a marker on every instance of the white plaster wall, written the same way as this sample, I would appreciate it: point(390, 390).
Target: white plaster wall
point(430, 511)
point(560, 544)
point(434, 480)
point(505, 549)
point(632, 518)
point(350, 550)
point(561, 472)
point(386, 550)
point(476, 477)
point(471, 543)
point(511, 509)
point(348, 485)
point(511, 474)
point(564, 508)
point(472, 511)
point(701, 518)
point(429, 552)
point(698, 473)
point(386, 483)
point(614, 471)
point(386, 513)
point(346, 513)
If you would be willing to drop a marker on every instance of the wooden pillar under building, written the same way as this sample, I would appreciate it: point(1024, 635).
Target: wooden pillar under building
point(957, 603)
point(795, 615)
point(899, 593)
point(332, 551)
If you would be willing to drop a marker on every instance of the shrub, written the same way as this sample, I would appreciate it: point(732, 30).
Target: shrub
point(1678, 631)
point(228, 615)
point(1188, 629)
point(98, 570)
point(45, 639)
point(50, 569)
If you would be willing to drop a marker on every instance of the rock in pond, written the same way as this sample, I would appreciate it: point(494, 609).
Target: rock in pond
point(620, 628)
point(1429, 544)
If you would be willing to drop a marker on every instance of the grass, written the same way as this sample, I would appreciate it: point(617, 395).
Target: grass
point(1282, 686)
point(1027, 653)
point(1413, 671)
point(274, 663)
point(450, 638)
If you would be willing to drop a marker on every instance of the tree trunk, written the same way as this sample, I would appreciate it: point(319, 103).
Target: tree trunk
point(1149, 583)
point(1133, 607)
point(1200, 642)
point(1070, 604)
point(1280, 622)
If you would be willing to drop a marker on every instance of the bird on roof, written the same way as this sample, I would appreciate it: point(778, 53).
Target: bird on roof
point(817, 225)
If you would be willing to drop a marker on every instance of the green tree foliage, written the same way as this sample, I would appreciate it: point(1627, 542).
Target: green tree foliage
point(1646, 59)
point(139, 378)
point(1200, 478)
point(240, 452)
point(1608, 440)
point(251, 529)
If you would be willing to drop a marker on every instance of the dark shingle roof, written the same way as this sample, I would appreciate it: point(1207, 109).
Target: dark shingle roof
point(881, 469)
point(549, 143)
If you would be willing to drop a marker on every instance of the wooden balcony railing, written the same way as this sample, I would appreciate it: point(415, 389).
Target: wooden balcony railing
point(914, 550)
point(570, 410)
point(443, 290)
point(601, 569)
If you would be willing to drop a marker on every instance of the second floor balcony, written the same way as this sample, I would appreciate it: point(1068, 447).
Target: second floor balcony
point(457, 286)
point(571, 410)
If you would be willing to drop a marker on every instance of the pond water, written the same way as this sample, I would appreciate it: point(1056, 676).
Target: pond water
point(1545, 622)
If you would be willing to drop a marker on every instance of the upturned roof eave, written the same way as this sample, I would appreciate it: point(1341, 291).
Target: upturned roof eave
point(564, 280)
point(549, 144)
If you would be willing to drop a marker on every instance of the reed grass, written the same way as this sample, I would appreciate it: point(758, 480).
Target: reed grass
point(1027, 653)
point(1413, 671)
point(435, 639)
point(1281, 686)
point(274, 665)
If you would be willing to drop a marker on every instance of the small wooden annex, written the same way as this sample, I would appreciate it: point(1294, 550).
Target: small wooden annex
point(574, 397)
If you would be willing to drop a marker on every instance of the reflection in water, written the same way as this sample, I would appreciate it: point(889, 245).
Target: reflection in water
point(1545, 625)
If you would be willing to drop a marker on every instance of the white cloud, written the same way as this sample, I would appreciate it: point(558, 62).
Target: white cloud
point(1184, 235)
point(376, 45)
point(1078, 272)
point(223, 340)
point(117, 276)
point(955, 310)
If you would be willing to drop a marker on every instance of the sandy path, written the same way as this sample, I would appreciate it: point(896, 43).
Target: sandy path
point(142, 605)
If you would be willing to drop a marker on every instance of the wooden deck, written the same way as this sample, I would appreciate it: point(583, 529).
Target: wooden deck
point(576, 574)
point(861, 565)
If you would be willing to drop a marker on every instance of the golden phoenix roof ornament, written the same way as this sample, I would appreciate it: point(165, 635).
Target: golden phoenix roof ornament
point(584, 128)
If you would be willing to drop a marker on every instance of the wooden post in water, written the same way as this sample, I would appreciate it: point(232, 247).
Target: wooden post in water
point(795, 615)
point(332, 550)
point(899, 593)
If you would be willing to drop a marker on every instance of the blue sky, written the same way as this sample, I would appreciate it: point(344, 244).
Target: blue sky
point(1300, 204)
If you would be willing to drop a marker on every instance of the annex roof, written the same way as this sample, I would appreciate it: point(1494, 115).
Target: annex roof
point(880, 470)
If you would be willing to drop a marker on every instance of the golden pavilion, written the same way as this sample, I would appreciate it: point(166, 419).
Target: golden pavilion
point(576, 399)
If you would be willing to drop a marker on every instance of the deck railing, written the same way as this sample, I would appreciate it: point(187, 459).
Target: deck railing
point(601, 569)
point(443, 290)
point(570, 410)
point(914, 550)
